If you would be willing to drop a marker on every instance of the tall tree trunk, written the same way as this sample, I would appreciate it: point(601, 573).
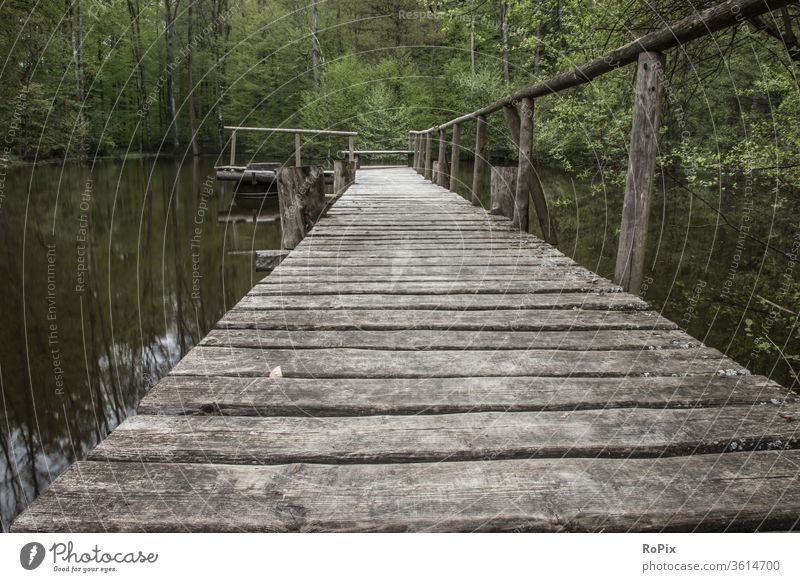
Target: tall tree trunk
point(472, 36)
point(316, 50)
point(190, 75)
point(145, 135)
point(220, 48)
point(169, 33)
point(504, 39)
point(76, 27)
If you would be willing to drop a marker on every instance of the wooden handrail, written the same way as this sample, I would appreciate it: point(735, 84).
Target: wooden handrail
point(692, 27)
point(291, 130)
point(297, 142)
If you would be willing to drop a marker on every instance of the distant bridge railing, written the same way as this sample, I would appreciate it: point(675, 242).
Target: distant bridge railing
point(647, 51)
point(351, 136)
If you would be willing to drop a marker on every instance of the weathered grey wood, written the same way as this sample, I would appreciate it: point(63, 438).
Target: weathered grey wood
point(428, 161)
point(233, 396)
point(699, 493)
point(434, 287)
point(355, 363)
point(492, 320)
point(402, 340)
point(481, 160)
point(301, 195)
point(443, 173)
point(343, 176)
point(503, 190)
point(455, 155)
point(435, 172)
point(409, 269)
point(463, 302)
point(629, 269)
point(267, 260)
point(513, 122)
point(524, 181)
point(619, 432)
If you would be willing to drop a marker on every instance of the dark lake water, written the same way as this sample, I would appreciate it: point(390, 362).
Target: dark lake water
point(112, 273)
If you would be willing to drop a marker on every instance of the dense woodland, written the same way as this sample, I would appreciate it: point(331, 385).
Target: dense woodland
point(98, 77)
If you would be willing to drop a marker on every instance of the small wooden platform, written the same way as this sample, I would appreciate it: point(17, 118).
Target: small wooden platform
point(416, 365)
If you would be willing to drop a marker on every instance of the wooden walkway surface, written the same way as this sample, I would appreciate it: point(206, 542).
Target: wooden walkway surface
point(416, 365)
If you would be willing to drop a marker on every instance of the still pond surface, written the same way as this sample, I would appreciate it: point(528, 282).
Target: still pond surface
point(112, 273)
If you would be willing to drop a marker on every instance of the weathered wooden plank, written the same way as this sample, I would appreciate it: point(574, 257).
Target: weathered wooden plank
point(571, 285)
point(353, 363)
point(499, 280)
point(699, 493)
point(618, 432)
point(344, 262)
point(545, 269)
point(479, 319)
point(228, 395)
point(452, 340)
point(611, 301)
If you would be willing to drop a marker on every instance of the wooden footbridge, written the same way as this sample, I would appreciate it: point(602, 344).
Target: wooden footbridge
point(417, 363)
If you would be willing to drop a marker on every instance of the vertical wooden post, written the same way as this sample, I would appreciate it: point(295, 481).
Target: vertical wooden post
point(629, 270)
point(455, 152)
point(428, 165)
point(351, 146)
point(342, 176)
point(418, 154)
point(297, 161)
point(503, 181)
point(233, 148)
point(524, 168)
point(528, 185)
point(479, 169)
point(301, 198)
point(443, 176)
point(513, 122)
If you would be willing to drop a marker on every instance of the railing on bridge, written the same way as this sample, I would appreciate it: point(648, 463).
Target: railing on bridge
point(298, 133)
point(647, 51)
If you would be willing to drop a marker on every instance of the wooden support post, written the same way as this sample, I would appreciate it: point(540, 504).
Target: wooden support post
point(455, 153)
point(524, 168)
point(420, 154)
point(297, 160)
point(343, 176)
point(479, 169)
point(301, 197)
point(233, 149)
point(503, 181)
point(351, 146)
point(435, 172)
point(443, 176)
point(416, 153)
point(629, 270)
point(513, 122)
point(528, 184)
point(428, 161)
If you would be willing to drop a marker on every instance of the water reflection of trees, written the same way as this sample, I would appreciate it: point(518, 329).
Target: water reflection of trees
point(129, 326)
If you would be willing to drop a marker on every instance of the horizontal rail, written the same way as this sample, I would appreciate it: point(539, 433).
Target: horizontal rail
point(690, 28)
point(351, 135)
point(379, 152)
point(290, 130)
